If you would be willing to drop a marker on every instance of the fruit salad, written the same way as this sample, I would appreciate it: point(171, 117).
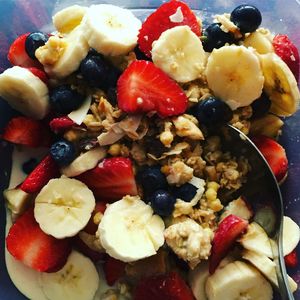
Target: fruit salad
point(133, 195)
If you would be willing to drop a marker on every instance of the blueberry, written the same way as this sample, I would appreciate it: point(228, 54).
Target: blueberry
point(63, 152)
point(214, 37)
point(98, 72)
point(246, 17)
point(151, 179)
point(162, 203)
point(184, 192)
point(33, 41)
point(64, 99)
point(29, 165)
point(260, 106)
point(212, 111)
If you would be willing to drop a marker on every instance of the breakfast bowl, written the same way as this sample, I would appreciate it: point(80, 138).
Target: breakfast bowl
point(22, 16)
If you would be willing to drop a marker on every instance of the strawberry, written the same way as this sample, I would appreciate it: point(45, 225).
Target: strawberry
point(225, 236)
point(113, 269)
point(43, 172)
point(274, 154)
point(91, 227)
point(112, 179)
point(40, 74)
point(163, 287)
point(28, 243)
point(143, 87)
point(291, 260)
point(18, 56)
point(288, 52)
point(61, 124)
point(165, 18)
point(28, 132)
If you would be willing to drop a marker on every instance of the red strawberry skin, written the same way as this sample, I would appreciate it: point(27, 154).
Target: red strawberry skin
point(288, 52)
point(39, 177)
point(91, 227)
point(17, 54)
point(112, 179)
point(163, 287)
point(225, 236)
point(160, 21)
point(274, 154)
point(28, 243)
point(143, 87)
point(27, 132)
point(113, 269)
point(61, 124)
point(40, 74)
point(291, 260)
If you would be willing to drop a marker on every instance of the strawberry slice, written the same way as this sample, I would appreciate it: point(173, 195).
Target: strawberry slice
point(113, 269)
point(18, 56)
point(27, 132)
point(163, 287)
point(288, 52)
point(28, 243)
point(91, 227)
point(143, 87)
point(274, 154)
point(61, 124)
point(291, 260)
point(40, 74)
point(39, 177)
point(112, 179)
point(168, 15)
point(225, 236)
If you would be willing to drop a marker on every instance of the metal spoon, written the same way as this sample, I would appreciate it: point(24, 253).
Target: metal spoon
point(264, 194)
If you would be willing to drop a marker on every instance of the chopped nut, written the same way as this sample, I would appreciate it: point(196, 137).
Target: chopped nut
point(114, 150)
point(186, 128)
point(179, 173)
point(166, 137)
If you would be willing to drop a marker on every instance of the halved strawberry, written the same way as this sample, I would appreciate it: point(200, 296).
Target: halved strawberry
point(18, 56)
point(91, 227)
point(168, 15)
point(44, 171)
point(288, 52)
point(28, 243)
point(163, 287)
point(61, 124)
point(225, 236)
point(275, 155)
point(291, 260)
point(113, 269)
point(28, 132)
point(40, 74)
point(112, 179)
point(143, 87)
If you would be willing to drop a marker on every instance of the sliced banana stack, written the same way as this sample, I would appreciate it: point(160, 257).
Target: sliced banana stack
point(77, 280)
point(63, 207)
point(110, 29)
point(234, 75)
point(280, 85)
point(238, 280)
point(25, 92)
point(129, 230)
point(179, 53)
point(68, 18)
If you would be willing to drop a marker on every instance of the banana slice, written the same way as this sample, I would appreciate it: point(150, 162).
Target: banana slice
point(24, 92)
point(290, 235)
point(238, 280)
point(260, 41)
point(179, 53)
point(234, 75)
point(63, 207)
point(256, 239)
point(68, 18)
point(280, 85)
point(75, 50)
point(78, 279)
point(129, 231)
point(110, 29)
point(84, 162)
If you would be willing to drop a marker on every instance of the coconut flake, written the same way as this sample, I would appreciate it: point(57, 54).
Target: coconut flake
point(79, 114)
point(177, 17)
